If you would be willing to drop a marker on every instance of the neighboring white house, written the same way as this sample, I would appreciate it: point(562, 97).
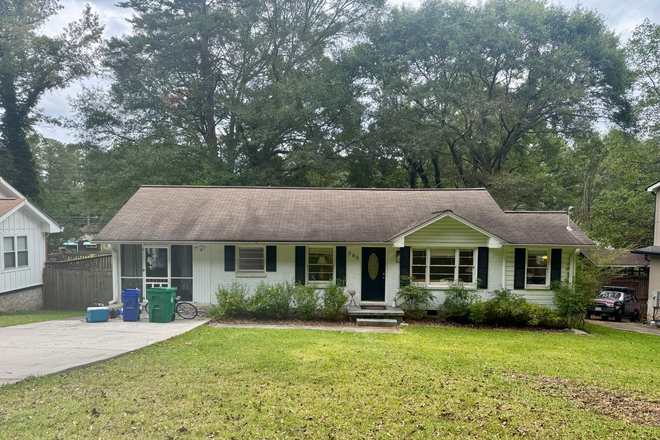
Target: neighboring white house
point(652, 253)
point(199, 238)
point(23, 232)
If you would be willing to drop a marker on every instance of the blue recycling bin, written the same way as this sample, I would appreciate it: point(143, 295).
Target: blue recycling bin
point(131, 301)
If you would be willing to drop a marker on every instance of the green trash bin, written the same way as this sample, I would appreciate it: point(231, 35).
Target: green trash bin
point(161, 303)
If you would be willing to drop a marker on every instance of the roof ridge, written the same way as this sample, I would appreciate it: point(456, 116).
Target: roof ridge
point(311, 188)
point(535, 212)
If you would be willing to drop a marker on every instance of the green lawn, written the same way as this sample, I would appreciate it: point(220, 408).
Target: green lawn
point(427, 382)
point(19, 317)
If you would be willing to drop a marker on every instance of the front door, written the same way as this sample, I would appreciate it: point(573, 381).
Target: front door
point(373, 274)
point(156, 267)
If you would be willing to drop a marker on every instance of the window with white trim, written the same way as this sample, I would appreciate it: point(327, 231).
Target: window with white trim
point(15, 252)
point(320, 264)
point(437, 266)
point(251, 260)
point(537, 267)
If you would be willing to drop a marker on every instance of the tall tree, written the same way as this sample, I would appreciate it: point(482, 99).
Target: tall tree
point(257, 84)
point(32, 63)
point(644, 53)
point(487, 79)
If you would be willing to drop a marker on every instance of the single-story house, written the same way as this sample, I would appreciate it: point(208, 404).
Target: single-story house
point(198, 238)
point(652, 253)
point(23, 232)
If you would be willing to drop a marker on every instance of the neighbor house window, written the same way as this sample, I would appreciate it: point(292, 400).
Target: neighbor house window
point(537, 268)
point(15, 252)
point(320, 264)
point(251, 260)
point(442, 265)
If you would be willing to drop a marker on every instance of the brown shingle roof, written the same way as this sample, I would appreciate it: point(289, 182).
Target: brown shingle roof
point(7, 205)
point(615, 258)
point(280, 215)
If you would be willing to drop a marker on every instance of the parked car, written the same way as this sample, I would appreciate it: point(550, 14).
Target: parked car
point(616, 302)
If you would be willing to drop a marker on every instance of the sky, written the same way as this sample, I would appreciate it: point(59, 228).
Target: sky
point(621, 16)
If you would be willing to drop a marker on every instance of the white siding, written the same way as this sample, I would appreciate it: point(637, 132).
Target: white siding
point(544, 297)
point(286, 265)
point(202, 274)
point(447, 232)
point(21, 223)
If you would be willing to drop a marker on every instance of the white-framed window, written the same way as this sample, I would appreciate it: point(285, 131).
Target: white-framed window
point(251, 259)
point(320, 264)
point(442, 265)
point(537, 265)
point(15, 252)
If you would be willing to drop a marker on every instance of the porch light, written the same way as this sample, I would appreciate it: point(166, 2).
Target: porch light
point(398, 256)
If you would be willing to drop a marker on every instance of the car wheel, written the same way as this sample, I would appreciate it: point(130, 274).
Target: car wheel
point(604, 317)
point(619, 315)
point(635, 316)
point(588, 315)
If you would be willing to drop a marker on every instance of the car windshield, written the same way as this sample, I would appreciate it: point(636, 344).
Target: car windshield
point(609, 295)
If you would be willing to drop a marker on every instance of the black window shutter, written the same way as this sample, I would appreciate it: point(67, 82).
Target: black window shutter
point(230, 258)
point(519, 269)
point(482, 267)
point(271, 258)
point(555, 265)
point(404, 262)
point(300, 264)
point(341, 263)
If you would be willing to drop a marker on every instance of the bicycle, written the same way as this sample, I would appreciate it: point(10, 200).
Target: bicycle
point(184, 309)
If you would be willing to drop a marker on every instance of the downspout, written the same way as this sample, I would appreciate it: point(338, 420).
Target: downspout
point(572, 266)
point(115, 276)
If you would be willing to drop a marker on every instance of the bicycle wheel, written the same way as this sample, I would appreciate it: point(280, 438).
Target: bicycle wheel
point(186, 310)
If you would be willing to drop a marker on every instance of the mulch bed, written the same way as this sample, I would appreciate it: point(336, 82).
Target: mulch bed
point(289, 322)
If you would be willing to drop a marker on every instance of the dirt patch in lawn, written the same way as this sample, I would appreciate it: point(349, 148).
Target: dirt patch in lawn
point(595, 399)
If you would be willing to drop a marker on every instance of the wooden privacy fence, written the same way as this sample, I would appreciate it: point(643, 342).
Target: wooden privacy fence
point(75, 284)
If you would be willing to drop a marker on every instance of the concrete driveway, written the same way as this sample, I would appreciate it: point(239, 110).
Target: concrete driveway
point(58, 346)
point(627, 326)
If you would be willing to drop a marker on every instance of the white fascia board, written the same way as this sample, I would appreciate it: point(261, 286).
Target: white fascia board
point(53, 227)
point(654, 188)
point(4, 185)
point(493, 240)
point(12, 211)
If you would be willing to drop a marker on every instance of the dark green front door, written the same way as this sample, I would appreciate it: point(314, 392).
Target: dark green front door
point(373, 274)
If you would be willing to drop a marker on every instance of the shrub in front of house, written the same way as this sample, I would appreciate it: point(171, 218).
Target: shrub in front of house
point(306, 301)
point(507, 309)
point(572, 301)
point(232, 301)
point(414, 300)
point(458, 301)
point(334, 300)
point(271, 301)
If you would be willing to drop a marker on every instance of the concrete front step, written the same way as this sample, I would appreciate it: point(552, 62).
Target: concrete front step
point(363, 322)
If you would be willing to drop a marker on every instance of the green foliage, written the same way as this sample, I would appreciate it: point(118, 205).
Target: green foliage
point(271, 301)
point(509, 309)
point(572, 301)
point(232, 301)
point(334, 300)
point(458, 301)
point(404, 281)
point(306, 301)
point(416, 300)
point(32, 64)
point(644, 55)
